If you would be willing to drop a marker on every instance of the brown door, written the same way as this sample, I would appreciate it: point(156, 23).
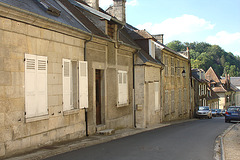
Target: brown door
point(98, 97)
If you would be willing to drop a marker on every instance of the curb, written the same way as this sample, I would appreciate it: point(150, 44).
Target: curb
point(221, 140)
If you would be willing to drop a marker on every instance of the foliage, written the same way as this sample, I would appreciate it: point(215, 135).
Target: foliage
point(204, 55)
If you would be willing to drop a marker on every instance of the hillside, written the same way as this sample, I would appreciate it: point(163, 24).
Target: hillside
point(204, 55)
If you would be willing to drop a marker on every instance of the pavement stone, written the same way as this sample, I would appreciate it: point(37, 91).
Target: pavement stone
point(231, 143)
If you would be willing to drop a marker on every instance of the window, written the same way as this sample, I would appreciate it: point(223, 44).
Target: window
point(180, 102)
point(157, 104)
point(172, 101)
point(204, 102)
point(172, 66)
point(122, 87)
point(75, 84)
point(204, 89)
point(200, 88)
point(185, 99)
point(178, 68)
point(166, 103)
point(35, 85)
point(166, 65)
point(152, 48)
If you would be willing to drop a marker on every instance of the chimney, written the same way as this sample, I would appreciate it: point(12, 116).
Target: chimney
point(93, 3)
point(118, 10)
point(159, 37)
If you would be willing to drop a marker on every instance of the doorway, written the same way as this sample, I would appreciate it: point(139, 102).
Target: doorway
point(98, 96)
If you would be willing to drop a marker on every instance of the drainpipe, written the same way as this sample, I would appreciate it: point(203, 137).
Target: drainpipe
point(85, 59)
point(134, 103)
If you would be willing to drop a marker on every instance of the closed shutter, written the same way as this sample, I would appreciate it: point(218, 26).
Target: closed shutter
point(122, 87)
point(156, 86)
point(42, 85)
point(35, 85)
point(30, 85)
point(83, 84)
point(67, 98)
point(166, 102)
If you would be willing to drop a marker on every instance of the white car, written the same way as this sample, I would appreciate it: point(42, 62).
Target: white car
point(204, 112)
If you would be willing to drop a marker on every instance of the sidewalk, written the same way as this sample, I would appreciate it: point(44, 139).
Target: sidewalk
point(231, 143)
point(64, 147)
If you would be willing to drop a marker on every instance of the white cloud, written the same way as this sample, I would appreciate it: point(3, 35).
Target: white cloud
point(132, 3)
point(224, 38)
point(177, 26)
point(230, 42)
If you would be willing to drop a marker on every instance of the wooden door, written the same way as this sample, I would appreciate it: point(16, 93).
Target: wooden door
point(98, 97)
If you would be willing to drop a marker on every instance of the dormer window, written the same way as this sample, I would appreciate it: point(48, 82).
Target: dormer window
point(152, 48)
point(111, 30)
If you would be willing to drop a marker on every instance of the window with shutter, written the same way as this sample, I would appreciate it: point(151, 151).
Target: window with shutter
point(35, 85)
point(83, 84)
point(157, 104)
point(166, 103)
point(179, 102)
point(172, 101)
point(122, 87)
point(67, 85)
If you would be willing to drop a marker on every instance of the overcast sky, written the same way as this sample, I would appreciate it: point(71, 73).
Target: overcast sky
point(212, 21)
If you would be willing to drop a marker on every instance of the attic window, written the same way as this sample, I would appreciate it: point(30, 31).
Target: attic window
point(48, 7)
point(111, 30)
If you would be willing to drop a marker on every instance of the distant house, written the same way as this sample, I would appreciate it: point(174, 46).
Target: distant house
point(222, 87)
point(203, 94)
point(235, 85)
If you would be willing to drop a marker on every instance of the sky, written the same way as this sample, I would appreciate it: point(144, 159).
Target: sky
point(212, 21)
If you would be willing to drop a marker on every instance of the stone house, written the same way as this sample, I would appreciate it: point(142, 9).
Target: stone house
point(147, 79)
point(203, 94)
point(56, 66)
point(235, 85)
point(176, 78)
point(222, 87)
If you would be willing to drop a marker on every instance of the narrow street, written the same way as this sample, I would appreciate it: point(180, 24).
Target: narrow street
point(192, 140)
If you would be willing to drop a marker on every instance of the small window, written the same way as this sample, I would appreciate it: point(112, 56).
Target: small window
point(122, 88)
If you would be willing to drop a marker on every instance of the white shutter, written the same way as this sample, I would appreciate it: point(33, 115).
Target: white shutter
point(41, 85)
point(122, 87)
point(30, 85)
point(67, 84)
point(83, 84)
point(156, 86)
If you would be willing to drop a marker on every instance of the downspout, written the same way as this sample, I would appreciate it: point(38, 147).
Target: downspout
point(85, 59)
point(134, 103)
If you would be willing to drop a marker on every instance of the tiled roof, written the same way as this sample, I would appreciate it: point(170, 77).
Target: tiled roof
point(211, 75)
point(235, 81)
point(33, 6)
point(219, 89)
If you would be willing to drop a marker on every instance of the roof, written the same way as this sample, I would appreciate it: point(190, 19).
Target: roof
point(235, 81)
point(79, 14)
point(35, 7)
point(211, 75)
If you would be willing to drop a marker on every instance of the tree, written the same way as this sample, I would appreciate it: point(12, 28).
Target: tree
point(176, 46)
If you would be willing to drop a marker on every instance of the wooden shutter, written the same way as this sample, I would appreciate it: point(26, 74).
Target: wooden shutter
point(30, 85)
point(156, 86)
point(67, 98)
point(35, 85)
point(83, 84)
point(42, 85)
point(122, 87)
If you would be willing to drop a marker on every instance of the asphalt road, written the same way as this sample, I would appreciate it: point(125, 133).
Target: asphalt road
point(192, 140)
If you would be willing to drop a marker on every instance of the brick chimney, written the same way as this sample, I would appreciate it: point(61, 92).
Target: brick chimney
point(93, 3)
point(118, 10)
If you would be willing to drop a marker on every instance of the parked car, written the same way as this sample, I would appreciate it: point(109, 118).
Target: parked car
point(204, 112)
point(224, 111)
point(214, 112)
point(219, 112)
point(233, 113)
